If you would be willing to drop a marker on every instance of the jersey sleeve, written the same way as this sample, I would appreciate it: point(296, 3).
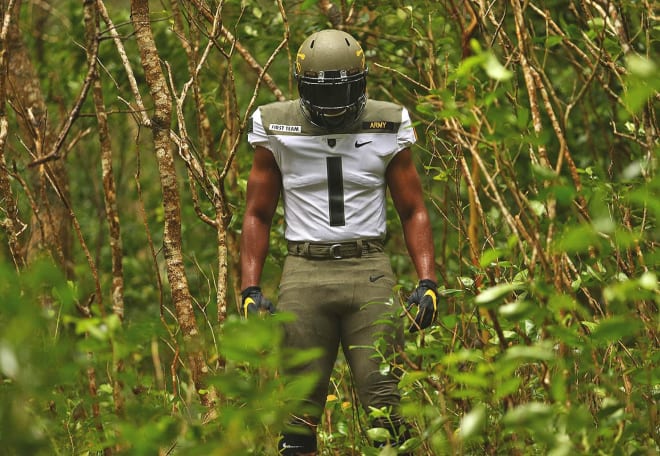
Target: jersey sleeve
point(257, 134)
point(406, 136)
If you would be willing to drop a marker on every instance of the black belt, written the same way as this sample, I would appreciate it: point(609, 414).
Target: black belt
point(334, 251)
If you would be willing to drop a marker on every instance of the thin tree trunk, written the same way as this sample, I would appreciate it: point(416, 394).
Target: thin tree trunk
point(109, 188)
point(50, 227)
point(9, 217)
point(117, 289)
point(160, 124)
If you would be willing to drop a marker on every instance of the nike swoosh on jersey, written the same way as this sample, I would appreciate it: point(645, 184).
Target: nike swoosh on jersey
point(360, 144)
point(373, 278)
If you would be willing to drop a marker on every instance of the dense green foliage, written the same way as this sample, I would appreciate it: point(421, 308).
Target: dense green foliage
point(538, 146)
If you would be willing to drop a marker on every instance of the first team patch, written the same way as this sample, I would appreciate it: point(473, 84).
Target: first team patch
point(285, 128)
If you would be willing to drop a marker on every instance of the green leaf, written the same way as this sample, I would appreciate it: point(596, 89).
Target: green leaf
point(596, 24)
point(474, 379)
point(558, 387)
point(9, 365)
point(410, 444)
point(490, 256)
point(649, 281)
point(411, 377)
point(462, 356)
point(528, 414)
point(473, 422)
point(614, 329)
point(544, 172)
point(642, 82)
point(467, 282)
point(495, 70)
point(640, 66)
point(467, 65)
point(577, 239)
point(562, 302)
point(516, 309)
point(552, 41)
point(506, 387)
point(378, 434)
point(307, 4)
point(541, 352)
point(494, 294)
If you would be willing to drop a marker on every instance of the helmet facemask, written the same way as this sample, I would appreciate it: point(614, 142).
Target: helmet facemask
point(333, 99)
point(331, 76)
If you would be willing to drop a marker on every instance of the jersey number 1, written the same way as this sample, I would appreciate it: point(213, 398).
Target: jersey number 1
point(335, 191)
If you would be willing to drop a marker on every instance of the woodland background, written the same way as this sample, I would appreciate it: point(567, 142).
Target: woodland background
point(123, 164)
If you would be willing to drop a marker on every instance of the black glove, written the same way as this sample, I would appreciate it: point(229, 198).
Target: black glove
point(426, 298)
point(254, 302)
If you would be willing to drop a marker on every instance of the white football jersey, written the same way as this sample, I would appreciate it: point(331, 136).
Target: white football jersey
point(333, 183)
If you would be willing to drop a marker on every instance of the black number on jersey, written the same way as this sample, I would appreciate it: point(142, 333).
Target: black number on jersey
point(336, 191)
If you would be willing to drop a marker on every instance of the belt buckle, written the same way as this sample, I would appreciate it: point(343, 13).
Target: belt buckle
point(335, 251)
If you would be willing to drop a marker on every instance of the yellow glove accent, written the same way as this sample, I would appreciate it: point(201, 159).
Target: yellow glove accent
point(246, 303)
point(434, 298)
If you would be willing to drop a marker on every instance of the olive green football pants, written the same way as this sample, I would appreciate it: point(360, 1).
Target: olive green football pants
point(348, 302)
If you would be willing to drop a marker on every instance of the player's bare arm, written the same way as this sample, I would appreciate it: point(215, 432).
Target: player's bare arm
point(406, 191)
point(263, 192)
